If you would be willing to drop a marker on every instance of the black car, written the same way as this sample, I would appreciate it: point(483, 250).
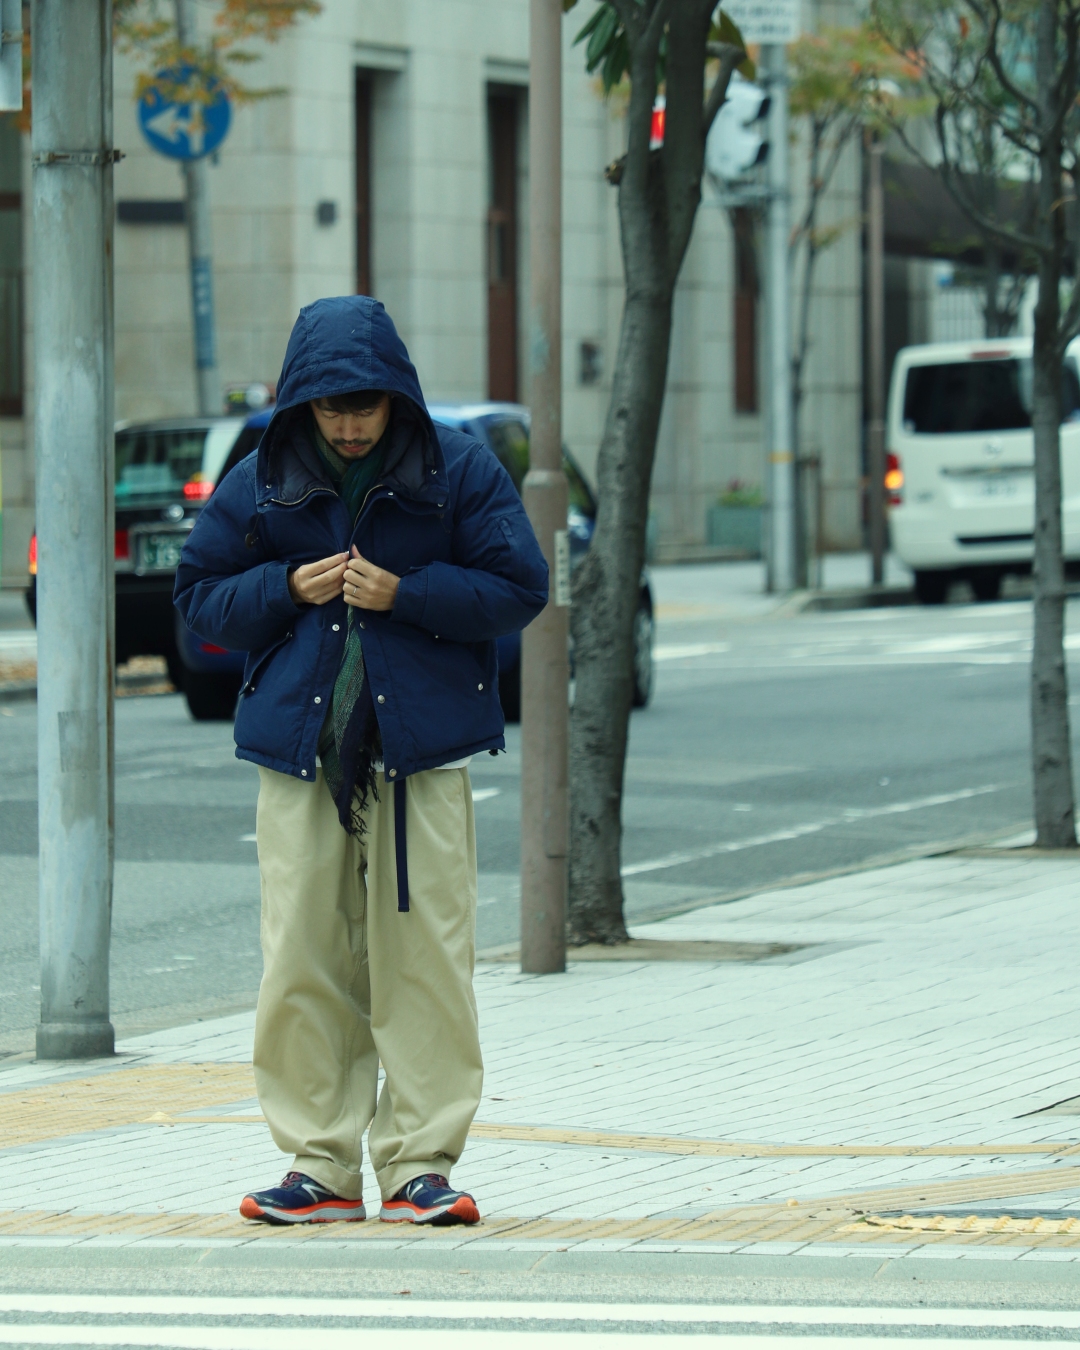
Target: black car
point(165, 471)
point(504, 429)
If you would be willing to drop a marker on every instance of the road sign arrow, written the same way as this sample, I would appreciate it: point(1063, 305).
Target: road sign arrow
point(166, 124)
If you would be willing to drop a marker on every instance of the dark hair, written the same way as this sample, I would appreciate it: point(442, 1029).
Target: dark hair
point(358, 401)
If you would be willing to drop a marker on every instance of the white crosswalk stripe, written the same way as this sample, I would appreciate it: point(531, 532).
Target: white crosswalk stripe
point(261, 1338)
point(566, 1325)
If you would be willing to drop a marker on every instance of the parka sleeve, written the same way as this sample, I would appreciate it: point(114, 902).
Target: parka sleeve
point(498, 582)
point(225, 594)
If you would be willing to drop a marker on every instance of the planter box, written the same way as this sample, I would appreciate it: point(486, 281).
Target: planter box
point(735, 527)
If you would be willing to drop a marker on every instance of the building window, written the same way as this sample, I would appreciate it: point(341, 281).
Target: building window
point(362, 116)
point(502, 244)
point(746, 305)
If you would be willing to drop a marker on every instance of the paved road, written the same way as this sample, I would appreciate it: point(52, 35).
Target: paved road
point(776, 746)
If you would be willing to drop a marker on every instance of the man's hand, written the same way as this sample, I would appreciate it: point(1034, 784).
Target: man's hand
point(368, 586)
point(316, 583)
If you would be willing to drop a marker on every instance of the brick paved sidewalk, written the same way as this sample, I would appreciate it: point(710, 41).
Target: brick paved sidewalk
point(874, 1085)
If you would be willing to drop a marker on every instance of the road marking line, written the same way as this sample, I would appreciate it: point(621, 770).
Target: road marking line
point(678, 651)
point(482, 794)
point(851, 815)
point(749, 1314)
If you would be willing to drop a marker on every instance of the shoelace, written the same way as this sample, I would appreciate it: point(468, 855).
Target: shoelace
point(431, 1179)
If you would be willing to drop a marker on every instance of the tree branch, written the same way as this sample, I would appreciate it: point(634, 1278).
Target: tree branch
point(654, 28)
point(994, 56)
point(629, 11)
point(730, 57)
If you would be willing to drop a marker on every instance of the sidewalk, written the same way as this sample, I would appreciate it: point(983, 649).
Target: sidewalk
point(869, 1086)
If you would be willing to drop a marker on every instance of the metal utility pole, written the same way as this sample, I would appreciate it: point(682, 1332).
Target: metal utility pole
point(72, 157)
point(875, 319)
point(782, 483)
point(200, 248)
point(545, 817)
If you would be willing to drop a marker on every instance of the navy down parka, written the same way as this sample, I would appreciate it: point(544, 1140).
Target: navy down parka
point(444, 517)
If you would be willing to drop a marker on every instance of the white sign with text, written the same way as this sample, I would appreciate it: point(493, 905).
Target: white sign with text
point(765, 20)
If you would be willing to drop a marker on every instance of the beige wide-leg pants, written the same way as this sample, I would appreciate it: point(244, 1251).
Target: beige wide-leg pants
point(348, 981)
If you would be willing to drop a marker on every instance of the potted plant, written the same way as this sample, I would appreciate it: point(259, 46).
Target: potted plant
point(734, 521)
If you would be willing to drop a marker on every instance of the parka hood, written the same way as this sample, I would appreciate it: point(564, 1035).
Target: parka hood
point(342, 344)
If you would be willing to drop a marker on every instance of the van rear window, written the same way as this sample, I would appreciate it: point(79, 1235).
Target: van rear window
point(976, 396)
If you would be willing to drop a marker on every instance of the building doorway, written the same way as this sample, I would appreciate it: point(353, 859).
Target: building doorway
point(11, 280)
point(502, 244)
point(746, 305)
point(362, 114)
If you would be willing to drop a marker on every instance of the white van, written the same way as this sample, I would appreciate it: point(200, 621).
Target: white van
point(959, 477)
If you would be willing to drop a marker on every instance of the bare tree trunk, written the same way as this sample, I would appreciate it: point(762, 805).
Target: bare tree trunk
point(1050, 742)
point(602, 617)
point(1051, 750)
point(659, 194)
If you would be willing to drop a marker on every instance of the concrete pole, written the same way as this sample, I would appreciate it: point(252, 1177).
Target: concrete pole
point(782, 536)
point(545, 817)
point(200, 249)
point(72, 159)
point(875, 319)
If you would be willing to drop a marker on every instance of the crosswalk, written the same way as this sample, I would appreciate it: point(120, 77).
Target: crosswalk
point(402, 1323)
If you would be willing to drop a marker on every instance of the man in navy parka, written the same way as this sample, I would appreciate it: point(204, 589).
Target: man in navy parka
point(366, 561)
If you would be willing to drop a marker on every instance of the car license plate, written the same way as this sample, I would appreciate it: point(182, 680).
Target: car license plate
point(161, 552)
point(1003, 485)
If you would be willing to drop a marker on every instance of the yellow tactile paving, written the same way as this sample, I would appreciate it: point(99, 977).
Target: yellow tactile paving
point(969, 1223)
point(118, 1097)
point(753, 1224)
point(168, 1095)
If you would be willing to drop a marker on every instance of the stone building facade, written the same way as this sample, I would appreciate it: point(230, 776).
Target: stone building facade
point(395, 160)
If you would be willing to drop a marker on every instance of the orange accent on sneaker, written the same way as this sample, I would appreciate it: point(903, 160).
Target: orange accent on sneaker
point(465, 1209)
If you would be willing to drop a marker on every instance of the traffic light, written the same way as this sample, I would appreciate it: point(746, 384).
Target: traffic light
point(737, 139)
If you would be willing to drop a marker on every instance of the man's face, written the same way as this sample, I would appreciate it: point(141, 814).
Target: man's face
point(352, 434)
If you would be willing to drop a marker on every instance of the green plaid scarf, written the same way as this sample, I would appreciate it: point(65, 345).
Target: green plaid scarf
point(349, 744)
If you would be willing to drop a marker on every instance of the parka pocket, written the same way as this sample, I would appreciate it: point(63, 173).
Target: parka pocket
point(258, 662)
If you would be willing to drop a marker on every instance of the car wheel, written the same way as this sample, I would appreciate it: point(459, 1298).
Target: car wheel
point(211, 698)
point(178, 672)
point(643, 656)
point(932, 588)
point(986, 585)
point(510, 693)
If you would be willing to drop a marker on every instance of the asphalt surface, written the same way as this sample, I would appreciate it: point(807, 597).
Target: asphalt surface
point(776, 746)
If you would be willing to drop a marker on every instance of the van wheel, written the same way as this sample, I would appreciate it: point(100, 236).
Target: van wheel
point(986, 585)
point(211, 698)
point(932, 588)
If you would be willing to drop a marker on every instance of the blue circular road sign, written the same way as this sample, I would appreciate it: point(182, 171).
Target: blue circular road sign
point(185, 114)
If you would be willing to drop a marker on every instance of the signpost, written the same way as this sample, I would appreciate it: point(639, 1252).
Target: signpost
point(545, 818)
point(186, 115)
point(772, 23)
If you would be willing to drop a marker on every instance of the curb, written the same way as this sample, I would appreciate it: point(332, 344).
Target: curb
point(128, 684)
point(18, 691)
point(856, 597)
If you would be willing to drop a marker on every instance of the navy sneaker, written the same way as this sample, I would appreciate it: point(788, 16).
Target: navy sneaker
point(299, 1200)
point(429, 1199)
